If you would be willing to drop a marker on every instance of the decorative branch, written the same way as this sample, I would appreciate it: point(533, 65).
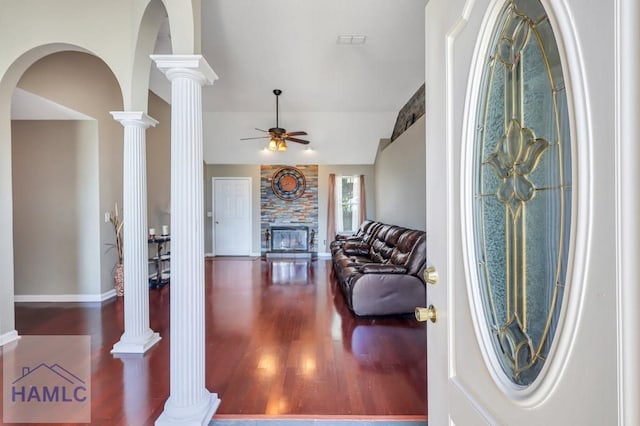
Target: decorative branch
point(116, 221)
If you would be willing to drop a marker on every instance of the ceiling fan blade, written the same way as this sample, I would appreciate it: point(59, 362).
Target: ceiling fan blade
point(258, 137)
point(302, 141)
point(297, 133)
point(260, 130)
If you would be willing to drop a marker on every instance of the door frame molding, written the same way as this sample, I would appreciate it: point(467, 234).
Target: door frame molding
point(213, 211)
point(627, 201)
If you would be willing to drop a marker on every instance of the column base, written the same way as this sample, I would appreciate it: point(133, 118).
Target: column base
point(198, 415)
point(8, 337)
point(140, 345)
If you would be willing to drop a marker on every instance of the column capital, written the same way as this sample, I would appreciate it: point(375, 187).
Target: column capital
point(194, 66)
point(134, 118)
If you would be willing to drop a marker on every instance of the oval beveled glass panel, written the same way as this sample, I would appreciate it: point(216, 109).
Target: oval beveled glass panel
point(522, 189)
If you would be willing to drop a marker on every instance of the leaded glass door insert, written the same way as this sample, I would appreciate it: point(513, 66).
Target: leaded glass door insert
point(522, 189)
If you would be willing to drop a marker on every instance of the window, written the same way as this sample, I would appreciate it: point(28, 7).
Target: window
point(522, 190)
point(347, 203)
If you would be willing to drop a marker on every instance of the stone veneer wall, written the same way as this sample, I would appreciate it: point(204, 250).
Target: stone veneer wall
point(300, 212)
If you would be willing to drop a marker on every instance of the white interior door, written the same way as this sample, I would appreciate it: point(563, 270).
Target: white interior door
point(490, 361)
point(231, 216)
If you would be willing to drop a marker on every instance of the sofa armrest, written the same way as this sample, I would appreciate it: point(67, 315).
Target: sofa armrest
point(376, 268)
point(342, 237)
point(348, 237)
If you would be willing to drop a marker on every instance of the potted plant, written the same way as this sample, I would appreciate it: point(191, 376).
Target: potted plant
point(118, 270)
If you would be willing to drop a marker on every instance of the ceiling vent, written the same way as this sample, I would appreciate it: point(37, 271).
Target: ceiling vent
point(351, 39)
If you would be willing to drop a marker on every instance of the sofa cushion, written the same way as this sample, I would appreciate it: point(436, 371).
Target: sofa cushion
point(393, 235)
point(352, 248)
point(410, 251)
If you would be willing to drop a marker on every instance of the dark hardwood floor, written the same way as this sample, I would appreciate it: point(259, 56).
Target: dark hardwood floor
point(280, 342)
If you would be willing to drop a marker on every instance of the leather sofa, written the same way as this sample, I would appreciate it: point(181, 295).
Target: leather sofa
point(380, 269)
point(340, 239)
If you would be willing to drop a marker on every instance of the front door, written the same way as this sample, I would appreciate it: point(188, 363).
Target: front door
point(524, 212)
point(231, 216)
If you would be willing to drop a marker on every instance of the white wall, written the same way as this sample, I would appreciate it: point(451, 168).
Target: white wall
point(53, 241)
point(88, 208)
point(400, 179)
point(159, 164)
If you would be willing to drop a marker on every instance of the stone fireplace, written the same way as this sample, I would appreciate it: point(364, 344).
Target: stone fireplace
point(289, 227)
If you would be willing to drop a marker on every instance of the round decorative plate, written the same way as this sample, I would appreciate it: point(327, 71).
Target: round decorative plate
point(288, 183)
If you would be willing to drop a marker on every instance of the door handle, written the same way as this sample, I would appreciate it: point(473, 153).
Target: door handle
point(424, 314)
point(430, 275)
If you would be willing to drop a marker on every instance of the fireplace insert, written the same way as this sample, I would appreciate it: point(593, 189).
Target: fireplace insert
point(289, 238)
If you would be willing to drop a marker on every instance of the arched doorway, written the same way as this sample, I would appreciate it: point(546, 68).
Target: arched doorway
point(65, 172)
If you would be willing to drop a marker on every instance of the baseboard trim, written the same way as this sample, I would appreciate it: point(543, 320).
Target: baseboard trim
point(65, 297)
point(108, 295)
point(8, 337)
point(250, 255)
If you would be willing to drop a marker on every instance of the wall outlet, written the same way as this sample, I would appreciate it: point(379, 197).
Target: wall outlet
point(107, 217)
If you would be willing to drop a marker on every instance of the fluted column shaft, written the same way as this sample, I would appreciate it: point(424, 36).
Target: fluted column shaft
point(189, 401)
point(137, 337)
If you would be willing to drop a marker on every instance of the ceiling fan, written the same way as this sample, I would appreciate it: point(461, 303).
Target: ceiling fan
point(277, 135)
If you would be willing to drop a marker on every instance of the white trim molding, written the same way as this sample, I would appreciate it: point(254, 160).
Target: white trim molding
point(627, 204)
point(9, 337)
point(58, 298)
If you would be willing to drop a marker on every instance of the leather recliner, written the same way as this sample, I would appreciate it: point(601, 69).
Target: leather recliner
point(380, 269)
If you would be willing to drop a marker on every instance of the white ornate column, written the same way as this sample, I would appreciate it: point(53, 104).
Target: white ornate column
point(189, 403)
point(137, 336)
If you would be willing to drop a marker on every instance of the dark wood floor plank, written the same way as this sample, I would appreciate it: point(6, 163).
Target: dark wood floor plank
point(280, 341)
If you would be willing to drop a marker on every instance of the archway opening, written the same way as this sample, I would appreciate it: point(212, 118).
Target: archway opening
point(67, 167)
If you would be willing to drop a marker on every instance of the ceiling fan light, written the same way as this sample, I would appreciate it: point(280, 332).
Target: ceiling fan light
point(277, 134)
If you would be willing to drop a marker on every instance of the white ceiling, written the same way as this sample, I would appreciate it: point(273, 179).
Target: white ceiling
point(345, 96)
point(256, 46)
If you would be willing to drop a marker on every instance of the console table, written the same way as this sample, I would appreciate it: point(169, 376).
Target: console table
point(160, 262)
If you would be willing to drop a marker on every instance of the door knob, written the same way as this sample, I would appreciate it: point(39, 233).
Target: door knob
point(430, 275)
point(430, 313)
